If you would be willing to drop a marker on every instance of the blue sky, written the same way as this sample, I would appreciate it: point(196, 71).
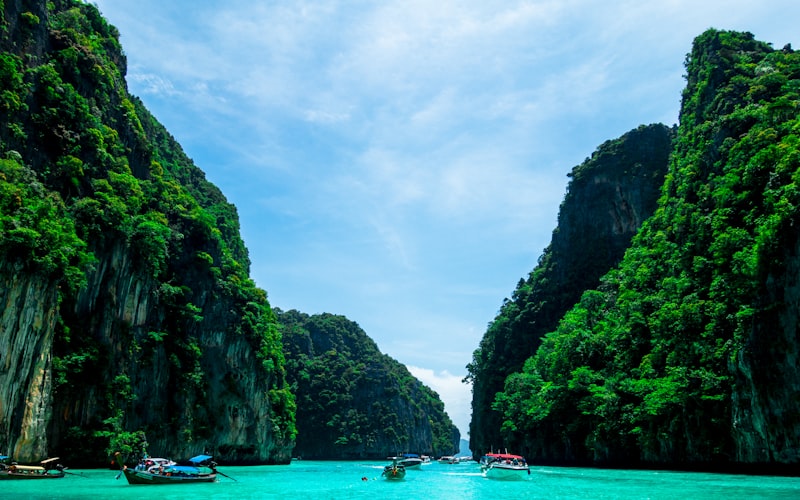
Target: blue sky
point(402, 163)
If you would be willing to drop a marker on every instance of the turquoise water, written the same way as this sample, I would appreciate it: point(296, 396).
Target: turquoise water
point(343, 480)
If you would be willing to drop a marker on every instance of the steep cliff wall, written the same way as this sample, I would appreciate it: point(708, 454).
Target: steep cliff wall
point(609, 196)
point(740, 109)
point(765, 420)
point(28, 306)
point(353, 401)
point(128, 302)
point(687, 353)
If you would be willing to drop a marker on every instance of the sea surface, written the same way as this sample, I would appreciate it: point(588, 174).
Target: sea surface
point(361, 480)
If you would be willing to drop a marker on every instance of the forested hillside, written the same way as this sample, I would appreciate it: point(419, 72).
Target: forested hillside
point(127, 305)
point(686, 354)
point(353, 402)
point(609, 196)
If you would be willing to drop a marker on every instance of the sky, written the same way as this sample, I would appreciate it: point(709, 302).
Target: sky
point(401, 163)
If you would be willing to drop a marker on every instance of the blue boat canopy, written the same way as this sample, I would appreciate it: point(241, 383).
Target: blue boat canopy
point(410, 455)
point(3, 457)
point(186, 469)
point(200, 459)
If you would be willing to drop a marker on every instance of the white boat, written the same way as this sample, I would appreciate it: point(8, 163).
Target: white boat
point(504, 466)
point(410, 461)
point(448, 459)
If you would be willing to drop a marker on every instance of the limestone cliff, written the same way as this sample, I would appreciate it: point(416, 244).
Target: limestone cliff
point(765, 424)
point(127, 304)
point(609, 196)
point(27, 321)
point(686, 354)
point(353, 401)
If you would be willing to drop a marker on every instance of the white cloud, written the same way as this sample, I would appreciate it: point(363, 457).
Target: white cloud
point(456, 395)
point(153, 84)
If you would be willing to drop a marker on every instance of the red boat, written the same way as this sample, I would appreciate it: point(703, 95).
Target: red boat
point(504, 466)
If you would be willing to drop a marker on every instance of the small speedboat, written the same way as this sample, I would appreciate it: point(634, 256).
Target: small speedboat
point(410, 461)
point(504, 466)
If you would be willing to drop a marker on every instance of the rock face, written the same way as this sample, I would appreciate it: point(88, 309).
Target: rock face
point(686, 354)
point(765, 420)
point(609, 196)
point(27, 323)
point(212, 396)
point(126, 301)
point(353, 401)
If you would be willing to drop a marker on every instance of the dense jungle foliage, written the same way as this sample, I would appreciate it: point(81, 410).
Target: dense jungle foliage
point(354, 402)
point(84, 170)
point(641, 368)
point(608, 197)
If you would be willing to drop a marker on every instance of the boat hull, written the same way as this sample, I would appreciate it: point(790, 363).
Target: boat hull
point(507, 472)
point(394, 473)
point(144, 477)
point(411, 463)
point(17, 475)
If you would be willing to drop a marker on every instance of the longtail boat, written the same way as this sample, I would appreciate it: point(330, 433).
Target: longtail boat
point(395, 471)
point(163, 471)
point(47, 470)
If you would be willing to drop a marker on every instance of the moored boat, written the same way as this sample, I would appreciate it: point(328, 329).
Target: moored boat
point(504, 466)
point(47, 470)
point(164, 471)
point(395, 471)
point(410, 461)
point(153, 464)
point(448, 459)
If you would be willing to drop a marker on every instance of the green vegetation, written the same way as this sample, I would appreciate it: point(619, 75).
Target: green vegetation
point(354, 402)
point(36, 230)
point(649, 367)
point(89, 180)
point(608, 196)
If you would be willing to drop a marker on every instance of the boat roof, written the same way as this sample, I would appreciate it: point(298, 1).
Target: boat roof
point(200, 459)
point(410, 455)
point(46, 461)
point(189, 469)
point(29, 467)
point(504, 456)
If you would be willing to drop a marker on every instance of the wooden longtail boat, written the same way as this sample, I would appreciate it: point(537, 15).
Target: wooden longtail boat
point(47, 470)
point(201, 470)
point(395, 471)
